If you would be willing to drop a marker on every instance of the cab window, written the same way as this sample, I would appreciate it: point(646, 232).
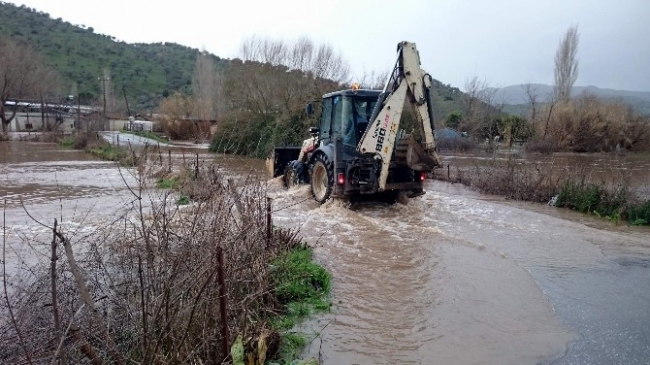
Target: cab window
point(326, 119)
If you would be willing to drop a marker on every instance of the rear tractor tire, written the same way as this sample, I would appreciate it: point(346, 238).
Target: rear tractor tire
point(322, 178)
point(295, 174)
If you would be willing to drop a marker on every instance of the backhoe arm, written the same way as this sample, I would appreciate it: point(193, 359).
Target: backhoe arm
point(407, 83)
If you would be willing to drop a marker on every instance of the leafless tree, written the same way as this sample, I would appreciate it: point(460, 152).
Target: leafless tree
point(532, 94)
point(474, 89)
point(319, 61)
point(482, 108)
point(301, 54)
point(551, 102)
point(108, 94)
point(266, 90)
point(23, 75)
point(265, 50)
point(566, 64)
point(207, 88)
point(374, 80)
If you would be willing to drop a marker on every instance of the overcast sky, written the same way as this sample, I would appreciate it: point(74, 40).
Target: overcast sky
point(505, 42)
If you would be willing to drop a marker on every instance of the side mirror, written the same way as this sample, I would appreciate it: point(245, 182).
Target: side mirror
point(309, 109)
point(313, 130)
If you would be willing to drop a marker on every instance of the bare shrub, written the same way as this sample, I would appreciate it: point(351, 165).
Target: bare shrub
point(546, 146)
point(147, 287)
point(517, 179)
point(587, 124)
point(177, 119)
point(606, 189)
point(459, 144)
point(186, 130)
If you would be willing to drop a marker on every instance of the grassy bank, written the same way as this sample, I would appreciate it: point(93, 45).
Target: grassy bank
point(302, 287)
point(112, 153)
point(97, 146)
point(614, 203)
point(573, 188)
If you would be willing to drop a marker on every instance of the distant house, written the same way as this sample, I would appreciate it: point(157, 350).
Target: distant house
point(33, 116)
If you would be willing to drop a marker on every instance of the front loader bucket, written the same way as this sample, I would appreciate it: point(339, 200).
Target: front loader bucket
point(279, 158)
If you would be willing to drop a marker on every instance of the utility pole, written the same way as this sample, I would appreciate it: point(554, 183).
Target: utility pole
point(78, 111)
point(128, 110)
point(104, 87)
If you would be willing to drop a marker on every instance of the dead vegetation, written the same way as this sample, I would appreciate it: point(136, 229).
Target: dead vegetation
point(587, 124)
point(161, 284)
point(513, 178)
point(603, 190)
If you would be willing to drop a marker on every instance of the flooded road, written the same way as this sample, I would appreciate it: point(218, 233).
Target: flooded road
point(454, 277)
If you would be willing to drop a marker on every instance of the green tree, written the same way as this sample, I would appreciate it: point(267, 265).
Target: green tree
point(453, 120)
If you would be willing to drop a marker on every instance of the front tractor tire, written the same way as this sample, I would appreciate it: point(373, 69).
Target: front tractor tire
point(322, 178)
point(295, 174)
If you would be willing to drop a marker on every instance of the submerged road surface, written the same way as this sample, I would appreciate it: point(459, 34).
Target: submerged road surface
point(455, 277)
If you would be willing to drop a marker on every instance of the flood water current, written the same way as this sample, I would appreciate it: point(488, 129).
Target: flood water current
point(452, 277)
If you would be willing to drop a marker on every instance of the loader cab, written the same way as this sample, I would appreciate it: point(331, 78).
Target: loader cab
point(345, 117)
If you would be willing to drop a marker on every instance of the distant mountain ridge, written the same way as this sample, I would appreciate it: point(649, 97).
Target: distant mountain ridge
point(516, 95)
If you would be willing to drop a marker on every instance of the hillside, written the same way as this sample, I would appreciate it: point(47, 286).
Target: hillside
point(446, 99)
point(514, 96)
point(147, 72)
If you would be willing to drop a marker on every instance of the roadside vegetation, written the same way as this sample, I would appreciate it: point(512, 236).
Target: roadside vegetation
point(615, 203)
point(575, 187)
point(209, 282)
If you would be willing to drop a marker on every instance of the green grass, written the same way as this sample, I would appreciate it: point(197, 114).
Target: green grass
point(113, 153)
point(183, 200)
point(67, 142)
point(639, 214)
point(612, 205)
point(168, 183)
point(303, 287)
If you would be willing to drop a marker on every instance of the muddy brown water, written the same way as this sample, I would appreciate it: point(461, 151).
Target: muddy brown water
point(454, 277)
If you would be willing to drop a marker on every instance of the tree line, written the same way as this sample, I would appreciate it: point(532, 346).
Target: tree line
point(257, 100)
point(555, 122)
